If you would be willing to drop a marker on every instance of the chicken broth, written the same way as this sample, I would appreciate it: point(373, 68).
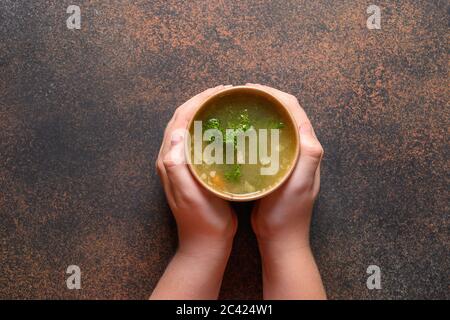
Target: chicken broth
point(238, 113)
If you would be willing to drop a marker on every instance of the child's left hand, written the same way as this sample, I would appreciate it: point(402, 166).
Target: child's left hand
point(206, 223)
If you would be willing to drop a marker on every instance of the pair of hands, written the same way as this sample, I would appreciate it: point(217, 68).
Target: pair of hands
point(207, 224)
point(204, 219)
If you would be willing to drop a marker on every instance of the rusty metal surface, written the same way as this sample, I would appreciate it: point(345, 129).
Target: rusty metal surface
point(82, 114)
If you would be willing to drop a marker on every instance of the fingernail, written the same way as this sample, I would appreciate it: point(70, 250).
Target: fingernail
point(305, 128)
point(176, 138)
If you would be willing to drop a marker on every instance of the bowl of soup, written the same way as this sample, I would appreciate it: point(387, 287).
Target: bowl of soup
point(242, 144)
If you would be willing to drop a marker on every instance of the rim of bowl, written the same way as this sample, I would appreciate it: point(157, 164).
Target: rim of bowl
point(258, 194)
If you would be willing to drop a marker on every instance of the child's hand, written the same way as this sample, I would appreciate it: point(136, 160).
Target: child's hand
point(281, 220)
point(206, 223)
point(285, 214)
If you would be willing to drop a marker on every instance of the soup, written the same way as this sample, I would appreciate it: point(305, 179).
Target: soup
point(249, 126)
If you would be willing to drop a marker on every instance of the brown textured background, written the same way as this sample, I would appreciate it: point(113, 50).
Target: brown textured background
point(82, 113)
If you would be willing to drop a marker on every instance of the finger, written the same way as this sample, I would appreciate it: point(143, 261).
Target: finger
point(288, 100)
point(176, 153)
point(311, 152)
point(189, 107)
point(161, 170)
point(291, 103)
point(184, 113)
point(316, 186)
point(177, 171)
point(309, 144)
point(172, 123)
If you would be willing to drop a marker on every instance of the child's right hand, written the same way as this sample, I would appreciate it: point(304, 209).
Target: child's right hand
point(284, 216)
point(281, 220)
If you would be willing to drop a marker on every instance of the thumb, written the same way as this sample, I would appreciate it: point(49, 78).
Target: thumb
point(175, 164)
point(175, 155)
point(311, 153)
